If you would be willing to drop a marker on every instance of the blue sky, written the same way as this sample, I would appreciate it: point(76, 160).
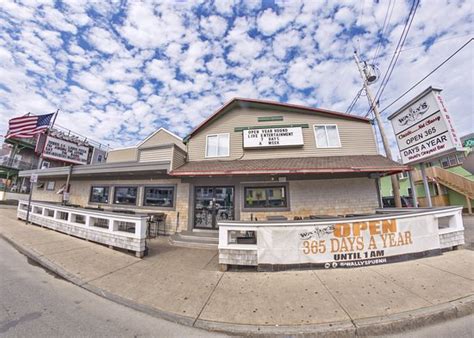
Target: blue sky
point(119, 70)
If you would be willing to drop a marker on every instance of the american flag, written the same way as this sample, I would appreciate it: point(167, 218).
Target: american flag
point(28, 126)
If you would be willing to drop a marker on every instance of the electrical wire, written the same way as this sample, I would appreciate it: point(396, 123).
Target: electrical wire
point(424, 46)
point(396, 55)
point(354, 101)
point(386, 22)
point(400, 44)
point(427, 75)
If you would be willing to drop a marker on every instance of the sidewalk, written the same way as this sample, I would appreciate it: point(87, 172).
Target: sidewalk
point(185, 285)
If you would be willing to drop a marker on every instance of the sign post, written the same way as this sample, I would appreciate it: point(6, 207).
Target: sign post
point(33, 179)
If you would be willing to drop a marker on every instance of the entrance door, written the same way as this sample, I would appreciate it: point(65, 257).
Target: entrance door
point(212, 204)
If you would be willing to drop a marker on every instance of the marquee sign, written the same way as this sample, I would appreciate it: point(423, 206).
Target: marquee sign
point(347, 244)
point(66, 151)
point(424, 128)
point(273, 137)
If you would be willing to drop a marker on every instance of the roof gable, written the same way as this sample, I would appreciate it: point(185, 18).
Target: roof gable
point(254, 103)
point(156, 136)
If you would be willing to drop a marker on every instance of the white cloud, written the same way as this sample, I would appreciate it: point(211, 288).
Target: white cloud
point(92, 82)
point(270, 22)
point(299, 74)
point(182, 60)
point(104, 41)
point(214, 26)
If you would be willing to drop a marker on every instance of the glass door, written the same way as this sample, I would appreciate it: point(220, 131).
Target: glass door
point(212, 204)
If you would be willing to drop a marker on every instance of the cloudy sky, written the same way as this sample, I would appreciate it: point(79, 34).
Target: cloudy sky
point(120, 70)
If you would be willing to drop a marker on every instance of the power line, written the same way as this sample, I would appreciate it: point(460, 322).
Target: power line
point(354, 101)
point(396, 55)
point(427, 75)
point(424, 46)
point(384, 27)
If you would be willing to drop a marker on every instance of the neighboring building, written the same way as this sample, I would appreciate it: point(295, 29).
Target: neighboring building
point(451, 179)
point(59, 148)
point(249, 160)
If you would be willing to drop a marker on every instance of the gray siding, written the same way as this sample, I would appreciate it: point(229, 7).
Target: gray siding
point(154, 154)
point(179, 158)
point(357, 137)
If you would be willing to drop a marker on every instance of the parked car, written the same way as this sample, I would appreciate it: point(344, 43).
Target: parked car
point(389, 202)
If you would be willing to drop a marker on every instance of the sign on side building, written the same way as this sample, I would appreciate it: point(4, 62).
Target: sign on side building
point(66, 151)
point(273, 137)
point(424, 128)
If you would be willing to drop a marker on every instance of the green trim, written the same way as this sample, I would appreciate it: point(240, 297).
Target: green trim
point(302, 125)
point(19, 142)
point(270, 118)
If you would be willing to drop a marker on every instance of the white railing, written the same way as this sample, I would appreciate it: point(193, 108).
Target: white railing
point(114, 229)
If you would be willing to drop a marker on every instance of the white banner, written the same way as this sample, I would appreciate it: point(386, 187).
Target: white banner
point(65, 151)
point(347, 244)
point(273, 137)
point(424, 129)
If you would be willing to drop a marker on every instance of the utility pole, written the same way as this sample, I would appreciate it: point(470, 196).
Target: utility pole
point(386, 145)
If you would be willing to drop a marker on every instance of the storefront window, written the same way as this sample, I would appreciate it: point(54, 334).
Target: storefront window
point(265, 197)
point(125, 195)
point(217, 145)
point(327, 136)
point(99, 195)
point(159, 196)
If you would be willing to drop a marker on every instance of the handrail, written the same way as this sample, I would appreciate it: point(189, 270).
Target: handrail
point(13, 163)
point(451, 180)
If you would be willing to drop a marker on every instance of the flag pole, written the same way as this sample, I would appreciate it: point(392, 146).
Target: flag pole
point(46, 134)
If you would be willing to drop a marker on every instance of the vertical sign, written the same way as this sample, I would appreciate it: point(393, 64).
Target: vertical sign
point(424, 128)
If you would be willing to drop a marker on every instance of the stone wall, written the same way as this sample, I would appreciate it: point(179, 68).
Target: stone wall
point(326, 197)
point(238, 257)
point(451, 239)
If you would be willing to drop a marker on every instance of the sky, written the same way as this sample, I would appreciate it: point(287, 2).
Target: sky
point(119, 70)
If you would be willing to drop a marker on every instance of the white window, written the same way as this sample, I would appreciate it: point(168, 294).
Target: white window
point(327, 136)
point(50, 185)
point(403, 175)
point(217, 145)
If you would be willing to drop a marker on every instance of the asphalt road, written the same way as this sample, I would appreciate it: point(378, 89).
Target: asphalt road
point(34, 303)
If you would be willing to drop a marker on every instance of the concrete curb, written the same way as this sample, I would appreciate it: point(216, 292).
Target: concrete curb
point(392, 324)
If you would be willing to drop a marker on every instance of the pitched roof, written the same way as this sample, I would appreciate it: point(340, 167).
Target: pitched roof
point(299, 165)
point(242, 102)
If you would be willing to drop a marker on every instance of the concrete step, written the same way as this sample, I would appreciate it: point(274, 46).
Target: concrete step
point(189, 240)
point(200, 236)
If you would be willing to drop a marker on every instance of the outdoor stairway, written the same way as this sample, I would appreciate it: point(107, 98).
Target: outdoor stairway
point(194, 239)
point(450, 180)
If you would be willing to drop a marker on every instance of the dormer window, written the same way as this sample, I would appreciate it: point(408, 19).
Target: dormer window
point(217, 145)
point(327, 136)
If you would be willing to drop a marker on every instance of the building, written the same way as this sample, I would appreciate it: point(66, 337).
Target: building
point(450, 179)
point(250, 160)
point(51, 150)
